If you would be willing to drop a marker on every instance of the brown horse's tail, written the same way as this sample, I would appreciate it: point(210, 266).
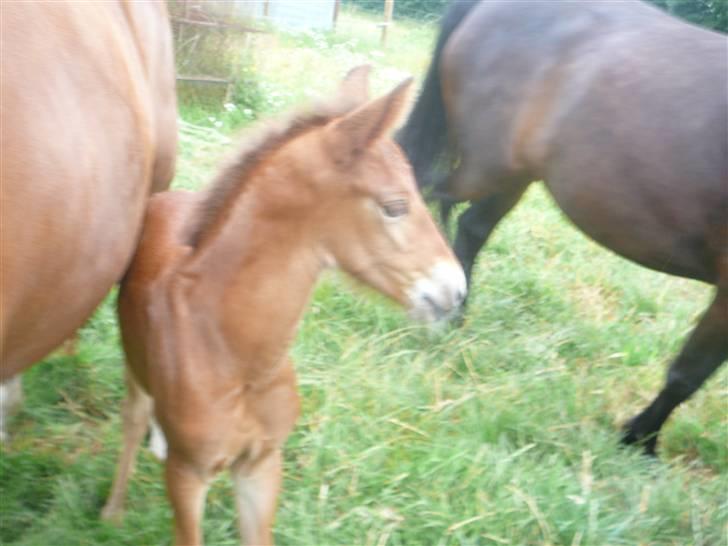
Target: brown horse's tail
point(424, 137)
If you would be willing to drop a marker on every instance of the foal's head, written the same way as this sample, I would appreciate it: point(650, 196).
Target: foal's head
point(370, 219)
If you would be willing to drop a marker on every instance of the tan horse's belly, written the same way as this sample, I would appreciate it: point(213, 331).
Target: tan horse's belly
point(80, 144)
point(63, 263)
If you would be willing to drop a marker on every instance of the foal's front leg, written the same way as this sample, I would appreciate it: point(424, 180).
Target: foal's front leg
point(256, 490)
point(186, 489)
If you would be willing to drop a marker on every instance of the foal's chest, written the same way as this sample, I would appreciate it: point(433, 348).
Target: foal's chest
point(240, 425)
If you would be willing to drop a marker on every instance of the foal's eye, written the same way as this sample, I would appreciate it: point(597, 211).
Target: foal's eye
point(396, 208)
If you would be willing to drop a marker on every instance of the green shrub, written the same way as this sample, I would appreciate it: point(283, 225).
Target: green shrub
point(708, 13)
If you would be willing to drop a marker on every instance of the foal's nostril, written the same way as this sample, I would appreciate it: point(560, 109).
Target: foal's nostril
point(436, 308)
point(439, 293)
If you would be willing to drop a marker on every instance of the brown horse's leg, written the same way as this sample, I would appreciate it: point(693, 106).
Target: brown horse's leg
point(256, 491)
point(704, 352)
point(477, 223)
point(136, 411)
point(11, 398)
point(186, 489)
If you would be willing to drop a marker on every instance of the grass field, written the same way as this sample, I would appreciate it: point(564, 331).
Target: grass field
point(503, 431)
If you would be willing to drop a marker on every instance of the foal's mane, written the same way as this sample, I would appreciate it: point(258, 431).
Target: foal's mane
point(232, 179)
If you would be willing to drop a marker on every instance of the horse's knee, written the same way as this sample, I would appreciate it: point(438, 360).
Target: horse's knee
point(135, 410)
point(681, 385)
point(469, 225)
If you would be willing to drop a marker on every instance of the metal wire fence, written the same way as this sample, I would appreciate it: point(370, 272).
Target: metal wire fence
point(421, 10)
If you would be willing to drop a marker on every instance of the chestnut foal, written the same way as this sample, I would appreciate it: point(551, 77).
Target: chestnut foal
point(211, 303)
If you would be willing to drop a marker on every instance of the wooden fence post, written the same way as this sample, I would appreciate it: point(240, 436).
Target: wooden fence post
point(337, 8)
point(388, 9)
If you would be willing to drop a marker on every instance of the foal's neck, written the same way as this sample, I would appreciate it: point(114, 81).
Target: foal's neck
point(255, 276)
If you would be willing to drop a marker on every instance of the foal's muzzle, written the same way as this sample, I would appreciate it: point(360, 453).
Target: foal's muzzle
point(438, 295)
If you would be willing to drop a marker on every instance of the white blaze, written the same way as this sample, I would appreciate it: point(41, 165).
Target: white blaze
point(439, 293)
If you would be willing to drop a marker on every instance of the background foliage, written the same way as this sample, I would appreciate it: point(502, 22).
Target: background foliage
point(708, 13)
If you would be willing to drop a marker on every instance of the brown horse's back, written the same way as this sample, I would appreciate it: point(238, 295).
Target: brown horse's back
point(619, 108)
point(649, 178)
point(88, 130)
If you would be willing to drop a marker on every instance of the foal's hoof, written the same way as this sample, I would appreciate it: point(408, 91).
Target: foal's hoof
point(112, 514)
point(631, 435)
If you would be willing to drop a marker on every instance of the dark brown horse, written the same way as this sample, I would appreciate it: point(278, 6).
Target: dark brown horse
point(87, 132)
point(621, 110)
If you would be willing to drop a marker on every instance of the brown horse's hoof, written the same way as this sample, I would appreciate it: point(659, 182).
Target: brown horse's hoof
point(631, 435)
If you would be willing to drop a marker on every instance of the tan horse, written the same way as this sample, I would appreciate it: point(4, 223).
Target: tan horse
point(212, 301)
point(88, 130)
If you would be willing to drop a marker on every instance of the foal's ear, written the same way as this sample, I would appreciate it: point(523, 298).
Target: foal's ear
point(351, 135)
point(354, 88)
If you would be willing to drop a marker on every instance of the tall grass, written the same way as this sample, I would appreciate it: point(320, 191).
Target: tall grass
point(503, 431)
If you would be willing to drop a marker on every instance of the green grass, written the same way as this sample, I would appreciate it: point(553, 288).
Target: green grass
point(501, 432)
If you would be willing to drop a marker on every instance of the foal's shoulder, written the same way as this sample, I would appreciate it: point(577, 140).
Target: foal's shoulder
point(163, 239)
point(168, 214)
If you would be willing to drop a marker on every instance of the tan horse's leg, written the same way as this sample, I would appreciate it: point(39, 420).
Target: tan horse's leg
point(136, 412)
point(256, 491)
point(186, 489)
point(157, 441)
point(11, 397)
